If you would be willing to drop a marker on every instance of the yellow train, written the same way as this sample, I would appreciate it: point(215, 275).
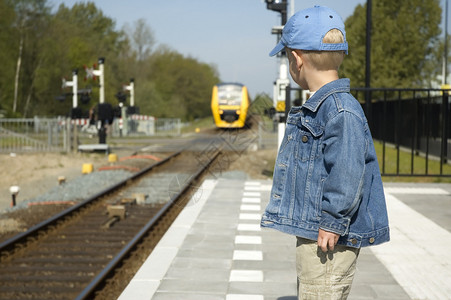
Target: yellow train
point(229, 105)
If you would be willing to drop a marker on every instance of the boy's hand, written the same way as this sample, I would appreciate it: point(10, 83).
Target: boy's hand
point(327, 240)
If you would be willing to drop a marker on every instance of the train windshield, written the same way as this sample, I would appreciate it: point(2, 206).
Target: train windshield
point(229, 94)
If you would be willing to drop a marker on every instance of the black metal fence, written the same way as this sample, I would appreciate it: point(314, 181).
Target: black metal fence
point(411, 129)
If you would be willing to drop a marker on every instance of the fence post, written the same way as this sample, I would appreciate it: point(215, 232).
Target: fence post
point(68, 136)
point(49, 134)
point(368, 108)
point(444, 152)
point(74, 138)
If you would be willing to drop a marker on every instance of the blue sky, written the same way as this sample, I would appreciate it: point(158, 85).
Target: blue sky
point(233, 35)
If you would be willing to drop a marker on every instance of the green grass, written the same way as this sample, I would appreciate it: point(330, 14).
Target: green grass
point(203, 123)
point(419, 166)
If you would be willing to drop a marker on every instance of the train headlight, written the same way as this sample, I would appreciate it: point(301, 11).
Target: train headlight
point(238, 112)
point(221, 111)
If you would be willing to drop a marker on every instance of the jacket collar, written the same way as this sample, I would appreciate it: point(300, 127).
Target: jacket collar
point(336, 86)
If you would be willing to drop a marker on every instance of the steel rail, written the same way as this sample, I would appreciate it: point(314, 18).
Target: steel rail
point(88, 292)
point(11, 243)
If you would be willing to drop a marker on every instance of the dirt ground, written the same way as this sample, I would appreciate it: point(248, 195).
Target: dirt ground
point(38, 172)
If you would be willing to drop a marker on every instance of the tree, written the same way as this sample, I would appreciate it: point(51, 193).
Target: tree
point(38, 48)
point(135, 59)
point(7, 55)
point(405, 43)
point(177, 86)
point(141, 38)
point(78, 36)
point(23, 27)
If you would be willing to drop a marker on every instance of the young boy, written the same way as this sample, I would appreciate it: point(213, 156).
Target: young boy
point(327, 188)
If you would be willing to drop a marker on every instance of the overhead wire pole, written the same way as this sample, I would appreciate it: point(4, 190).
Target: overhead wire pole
point(368, 62)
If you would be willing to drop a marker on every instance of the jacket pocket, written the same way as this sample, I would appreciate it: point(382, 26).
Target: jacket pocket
point(310, 136)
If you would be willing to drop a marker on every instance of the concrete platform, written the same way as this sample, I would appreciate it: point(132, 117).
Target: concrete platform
point(94, 147)
point(216, 249)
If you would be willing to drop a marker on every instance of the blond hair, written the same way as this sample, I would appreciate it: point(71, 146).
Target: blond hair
point(327, 60)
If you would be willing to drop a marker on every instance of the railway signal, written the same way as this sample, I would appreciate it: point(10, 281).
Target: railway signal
point(74, 85)
point(104, 110)
point(121, 97)
point(131, 89)
point(279, 6)
point(75, 112)
point(92, 73)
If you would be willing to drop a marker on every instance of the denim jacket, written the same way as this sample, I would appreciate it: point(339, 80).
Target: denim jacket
point(326, 174)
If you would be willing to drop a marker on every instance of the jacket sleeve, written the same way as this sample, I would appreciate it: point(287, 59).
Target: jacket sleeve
point(345, 148)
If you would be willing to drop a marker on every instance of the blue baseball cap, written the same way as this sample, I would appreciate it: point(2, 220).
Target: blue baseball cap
point(306, 29)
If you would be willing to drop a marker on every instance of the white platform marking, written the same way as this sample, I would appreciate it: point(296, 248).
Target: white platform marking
point(246, 275)
point(252, 188)
point(250, 207)
point(244, 297)
point(256, 186)
point(249, 227)
point(415, 190)
point(247, 255)
point(266, 187)
point(255, 217)
point(250, 200)
point(418, 254)
point(254, 183)
point(248, 239)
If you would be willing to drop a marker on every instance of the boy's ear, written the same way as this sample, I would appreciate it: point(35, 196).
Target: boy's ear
point(297, 56)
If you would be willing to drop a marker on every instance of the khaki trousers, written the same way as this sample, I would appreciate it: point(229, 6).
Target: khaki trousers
point(324, 276)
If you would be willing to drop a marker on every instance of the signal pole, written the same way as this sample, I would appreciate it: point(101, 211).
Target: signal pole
point(101, 73)
point(74, 85)
point(281, 84)
point(104, 110)
point(131, 88)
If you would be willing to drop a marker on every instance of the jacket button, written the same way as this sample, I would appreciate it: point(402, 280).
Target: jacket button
point(353, 241)
point(371, 240)
point(305, 139)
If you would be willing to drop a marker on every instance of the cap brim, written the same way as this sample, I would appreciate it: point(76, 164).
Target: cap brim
point(279, 47)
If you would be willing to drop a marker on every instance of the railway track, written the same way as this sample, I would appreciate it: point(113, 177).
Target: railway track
point(73, 254)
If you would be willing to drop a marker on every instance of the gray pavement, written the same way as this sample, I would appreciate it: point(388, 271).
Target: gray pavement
point(216, 249)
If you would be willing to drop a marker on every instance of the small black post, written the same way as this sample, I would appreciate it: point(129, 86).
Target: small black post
point(444, 152)
point(445, 75)
point(13, 201)
point(102, 135)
